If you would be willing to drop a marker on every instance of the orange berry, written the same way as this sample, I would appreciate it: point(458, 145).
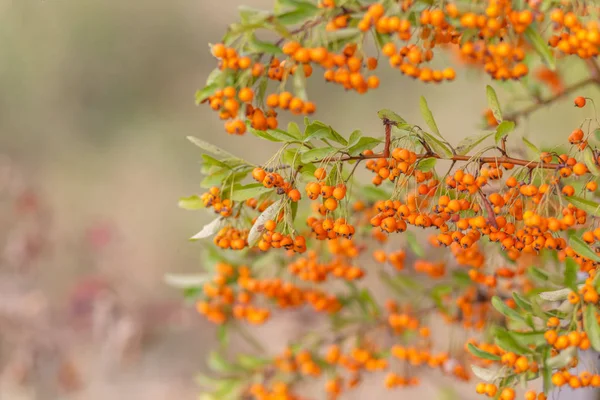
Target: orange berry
point(579, 101)
point(320, 173)
point(246, 95)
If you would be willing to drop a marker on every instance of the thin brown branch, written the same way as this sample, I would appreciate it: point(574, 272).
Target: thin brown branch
point(388, 138)
point(484, 160)
point(544, 102)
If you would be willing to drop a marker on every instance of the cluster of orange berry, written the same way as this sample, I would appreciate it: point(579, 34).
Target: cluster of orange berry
point(276, 240)
point(310, 269)
point(233, 290)
point(574, 37)
point(494, 36)
point(275, 180)
point(354, 362)
point(395, 258)
point(212, 199)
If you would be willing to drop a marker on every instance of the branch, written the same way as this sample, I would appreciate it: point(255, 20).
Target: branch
point(544, 102)
point(485, 160)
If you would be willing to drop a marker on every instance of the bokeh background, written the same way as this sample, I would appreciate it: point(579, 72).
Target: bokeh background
point(96, 99)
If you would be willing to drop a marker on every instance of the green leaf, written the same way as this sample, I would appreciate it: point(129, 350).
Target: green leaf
point(223, 335)
point(251, 362)
point(522, 303)
point(571, 269)
point(427, 164)
point(470, 142)
point(540, 45)
point(340, 36)
point(364, 143)
point(210, 161)
point(298, 15)
point(264, 135)
point(506, 341)
point(183, 281)
point(556, 295)
point(211, 148)
point(563, 359)
point(354, 138)
point(546, 370)
point(250, 16)
point(318, 130)
point(590, 161)
point(374, 193)
point(504, 129)
point(505, 310)
point(218, 363)
point(299, 84)
point(246, 192)
point(477, 352)
point(317, 154)
point(531, 146)
point(294, 130)
point(258, 46)
point(538, 274)
point(269, 214)
point(206, 92)
point(493, 103)
point(485, 374)
point(580, 247)
point(437, 146)
point(529, 338)
point(308, 171)
point(437, 293)
point(414, 244)
point(589, 206)
point(590, 324)
point(191, 203)
point(209, 229)
point(391, 116)
point(428, 117)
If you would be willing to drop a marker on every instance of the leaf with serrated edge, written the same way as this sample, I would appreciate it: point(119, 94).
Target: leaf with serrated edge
point(589, 206)
point(427, 164)
point(531, 146)
point(436, 144)
point(256, 230)
point(493, 103)
point(391, 116)
point(364, 143)
point(209, 229)
point(211, 148)
point(590, 323)
point(582, 248)
point(428, 117)
point(470, 142)
point(504, 129)
point(590, 162)
point(571, 269)
point(505, 310)
point(191, 203)
point(183, 281)
point(477, 352)
point(485, 374)
point(541, 46)
point(556, 295)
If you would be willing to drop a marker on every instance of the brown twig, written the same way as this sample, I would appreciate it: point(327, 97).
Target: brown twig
point(484, 160)
point(388, 138)
point(544, 102)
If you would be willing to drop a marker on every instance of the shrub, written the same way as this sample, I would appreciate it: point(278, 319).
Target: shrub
point(511, 256)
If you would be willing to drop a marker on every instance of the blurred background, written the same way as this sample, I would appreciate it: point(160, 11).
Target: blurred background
point(96, 99)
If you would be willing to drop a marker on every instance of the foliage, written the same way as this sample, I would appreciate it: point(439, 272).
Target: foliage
point(511, 256)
